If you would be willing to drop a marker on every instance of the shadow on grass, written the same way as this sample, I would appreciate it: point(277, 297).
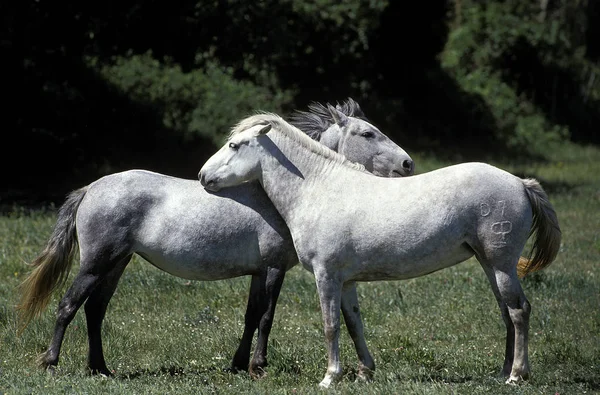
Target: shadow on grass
point(593, 383)
point(172, 371)
point(434, 377)
point(441, 378)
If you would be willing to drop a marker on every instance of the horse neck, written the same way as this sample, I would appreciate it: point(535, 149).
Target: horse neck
point(294, 175)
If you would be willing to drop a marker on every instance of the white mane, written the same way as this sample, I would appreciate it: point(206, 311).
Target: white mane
point(293, 133)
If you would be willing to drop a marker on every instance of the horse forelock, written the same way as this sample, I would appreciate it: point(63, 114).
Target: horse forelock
point(260, 118)
point(318, 118)
point(293, 133)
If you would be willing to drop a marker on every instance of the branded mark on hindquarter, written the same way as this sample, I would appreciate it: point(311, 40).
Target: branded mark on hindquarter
point(485, 209)
point(500, 228)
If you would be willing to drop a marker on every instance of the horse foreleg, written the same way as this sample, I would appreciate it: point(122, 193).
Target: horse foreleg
point(82, 286)
point(353, 321)
point(330, 295)
point(254, 310)
point(95, 310)
point(272, 287)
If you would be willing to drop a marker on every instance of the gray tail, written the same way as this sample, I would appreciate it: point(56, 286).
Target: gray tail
point(51, 268)
point(545, 229)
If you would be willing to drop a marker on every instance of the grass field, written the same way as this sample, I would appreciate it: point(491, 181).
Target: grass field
point(438, 334)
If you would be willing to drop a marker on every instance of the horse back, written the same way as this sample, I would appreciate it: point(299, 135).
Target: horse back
point(401, 228)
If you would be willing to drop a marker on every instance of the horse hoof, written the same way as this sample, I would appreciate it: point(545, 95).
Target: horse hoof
point(364, 375)
point(50, 369)
point(103, 372)
point(325, 384)
point(364, 378)
point(257, 373)
point(327, 381)
point(514, 380)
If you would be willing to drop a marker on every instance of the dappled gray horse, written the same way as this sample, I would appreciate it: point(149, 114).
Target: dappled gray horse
point(180, 228)
point(348, 225)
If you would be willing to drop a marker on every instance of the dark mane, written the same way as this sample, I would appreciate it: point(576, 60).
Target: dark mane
point(318, 118)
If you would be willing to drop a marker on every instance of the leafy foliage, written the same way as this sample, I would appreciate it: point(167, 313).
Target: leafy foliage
point(203, 102)
point(510, 53)
point(118, 86)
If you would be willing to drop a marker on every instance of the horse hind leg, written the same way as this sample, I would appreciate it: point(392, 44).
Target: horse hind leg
point(95, 310)
point(82, 287)
point(90, 275)
point(515, 310)
point(510, 329)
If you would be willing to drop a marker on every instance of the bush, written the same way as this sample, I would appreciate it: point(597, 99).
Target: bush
point(491, 53)
point(202, 102)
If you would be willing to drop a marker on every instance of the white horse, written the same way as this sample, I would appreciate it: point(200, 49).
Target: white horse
point(348, 225)
point(180, 228)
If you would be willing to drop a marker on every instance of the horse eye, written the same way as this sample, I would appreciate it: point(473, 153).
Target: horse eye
point(368, 135)
point(234, 146)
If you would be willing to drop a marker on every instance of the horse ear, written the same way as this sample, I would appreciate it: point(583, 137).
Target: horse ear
point(338, 117)
point(264, 130)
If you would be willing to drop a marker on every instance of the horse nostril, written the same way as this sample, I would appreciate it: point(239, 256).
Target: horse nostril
point(407, 164)
point(203, 181)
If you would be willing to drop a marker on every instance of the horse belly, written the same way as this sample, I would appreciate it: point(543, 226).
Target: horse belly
point(203, 270)
point(204, 253)
point(405, 261)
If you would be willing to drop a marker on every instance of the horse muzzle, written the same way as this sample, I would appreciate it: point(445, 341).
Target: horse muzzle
point(407, 168)
point(207, 183)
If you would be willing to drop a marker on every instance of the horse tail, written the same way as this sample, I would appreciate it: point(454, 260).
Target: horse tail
point(51, 268)
point(545, 226)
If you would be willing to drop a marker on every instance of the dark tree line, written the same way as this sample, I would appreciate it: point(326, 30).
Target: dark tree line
point(93, 88)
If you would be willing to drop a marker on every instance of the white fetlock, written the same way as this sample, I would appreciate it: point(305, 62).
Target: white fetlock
point(330, 378)
point(514, 380)
point(326, 381)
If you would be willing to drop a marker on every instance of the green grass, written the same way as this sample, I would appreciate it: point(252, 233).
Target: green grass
point(438, 334)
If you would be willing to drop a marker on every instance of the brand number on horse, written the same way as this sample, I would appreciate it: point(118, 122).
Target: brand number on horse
point(500, 228)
